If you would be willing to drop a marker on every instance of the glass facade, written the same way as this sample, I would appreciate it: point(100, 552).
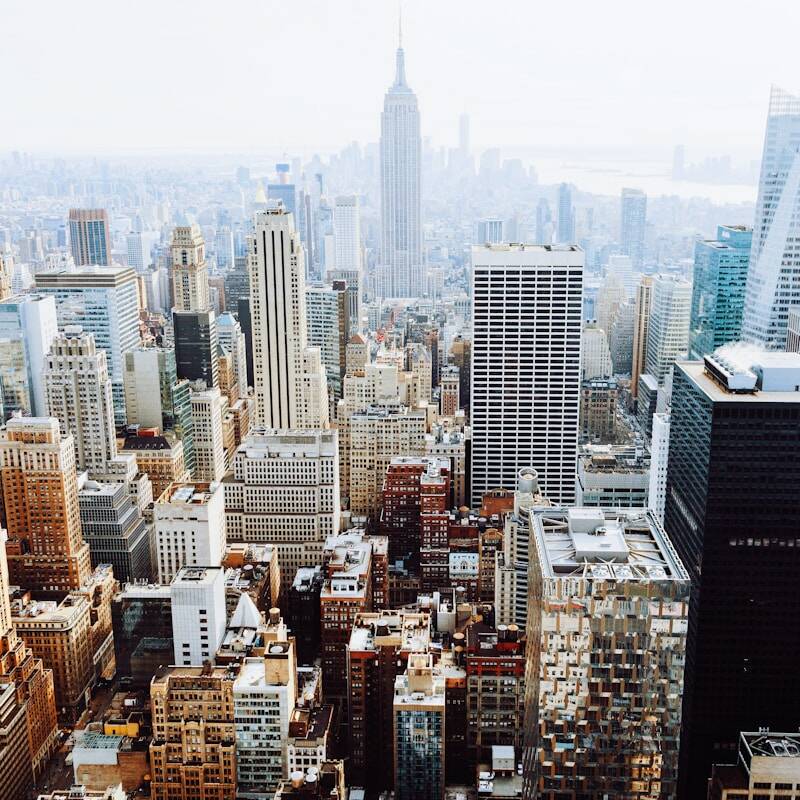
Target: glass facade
point(718, 290)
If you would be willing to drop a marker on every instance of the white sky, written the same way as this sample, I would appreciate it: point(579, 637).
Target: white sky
point(637, 76)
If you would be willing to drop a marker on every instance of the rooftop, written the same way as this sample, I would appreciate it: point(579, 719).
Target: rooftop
point(198, 575)
point(605, 544)
point(187, 494)
point(526, 255)
point(405, 630)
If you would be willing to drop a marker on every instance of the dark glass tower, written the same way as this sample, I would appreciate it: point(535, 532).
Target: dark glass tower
point(733, 514)
point(196, 346)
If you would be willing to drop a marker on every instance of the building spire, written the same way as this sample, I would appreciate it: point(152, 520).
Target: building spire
point(400, 75)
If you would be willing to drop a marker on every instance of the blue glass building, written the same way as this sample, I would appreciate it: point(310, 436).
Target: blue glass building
point(720, 279)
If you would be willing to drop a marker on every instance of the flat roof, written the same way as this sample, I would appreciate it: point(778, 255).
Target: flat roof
point(604, 544)
point(527, 255)
point(695, 371)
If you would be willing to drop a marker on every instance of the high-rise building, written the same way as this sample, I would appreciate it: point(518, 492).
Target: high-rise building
point(193, 750)
point(612, 476)
point(189, 528)
point(115, 531)
point(290, 388)
point(659, 456)
point(328, 326)
point(633, 222)
point(25, 752)
point(566, 215)
point(402, 265)
point(197, 597)
point(419, 730)
point(104, 301)
point(232, 340)
point(599, 401)
point(210, 458)
point(160, 456)
point(733, 437)
point(490, 231)
point(718, 289)
point(449, 391)
point(196, 346)
point(189, 270)
point(774, 260)
point(89, 237)
point(271, 465)
point(668, 328)
point(641, 325)
point(28, 326)
point(46, 551)
point(526, 368)
point(620, 338)
point(78, 391)
point(595, 353)
point(223, 248)
point(607, 592)
point(347, 233)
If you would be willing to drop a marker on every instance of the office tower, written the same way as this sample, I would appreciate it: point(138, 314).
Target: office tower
point(766, 761)
point(632, 225)
point(159, 455)
point(197, 597)
point(264, 697)
point(223, 248)
point(793, 330)
point(27, 751)
point(641, 325)
point(347, 233)
point(526, 366)
point(775, 262)
point(28, 327)
point(621, 267)
point(599, 398)
point(78, 392)
point(461, 356)
point(659, 456)
point(189, 270)
point(231, 340)
point(595, 354)
point(566, 215)
point(419, 730)
point(5, 279)
point(733, 442)
point(647, 402)
point(544, 222)
point(718, 289)
point(114, 529)
point(196, 346)
point(156, 398)
point(237, 283)
point(620, 338)
point(328, 326)
point(89, 238)
point(449, 395)
point(193, 750)
point(104, 302)
point(189, 528)
point(402, 265)
point(490, 231)
point(310, 736)
point(304, 610)
point(610, 299)
point(668, 327)
point(46, 552)
point(511, 568)
point(209, 452)
point(290, 388)
point(134, 244)
point(607, 591)
point(268, 465)
point(377, 435)
point(60, 634)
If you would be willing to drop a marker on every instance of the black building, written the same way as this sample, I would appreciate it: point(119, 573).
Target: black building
point(196, 346)
point(304, 612)
point(733, 513)
point(246, 323)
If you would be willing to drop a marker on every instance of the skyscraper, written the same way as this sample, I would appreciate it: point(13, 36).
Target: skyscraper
point(668, 328)
point(89, 238)
point(633, 219)
point(401, 270)
point(328, 326)
point(775, 260)
point(526, 368)
point(566, 215)
point(78, 390)
point(290, 388)
point(104, 301)
point(189, 270)
point(641, 325)
point(732, 513)
point(718, 289)
point(46, 551)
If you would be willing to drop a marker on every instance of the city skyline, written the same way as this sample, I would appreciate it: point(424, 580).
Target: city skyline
point(603, 81)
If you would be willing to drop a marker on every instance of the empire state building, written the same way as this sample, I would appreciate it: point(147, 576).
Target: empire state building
point(401, 271)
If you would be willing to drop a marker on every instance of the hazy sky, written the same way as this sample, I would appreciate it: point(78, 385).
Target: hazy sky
point(92, 75)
